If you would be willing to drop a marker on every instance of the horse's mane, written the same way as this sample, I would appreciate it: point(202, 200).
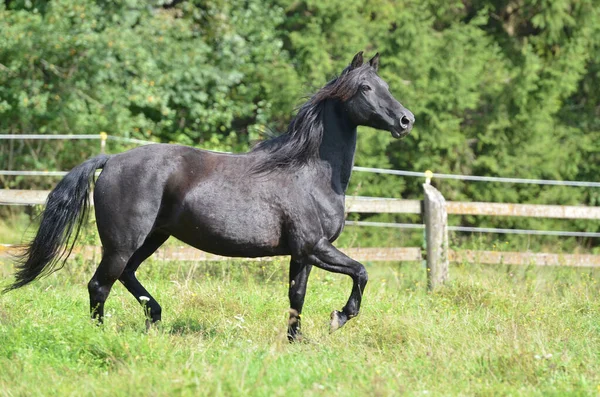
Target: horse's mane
point(303, 137)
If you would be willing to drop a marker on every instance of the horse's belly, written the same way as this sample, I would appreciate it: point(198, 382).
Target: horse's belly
point(235, 249)
point(235, 246)
point(239, 233)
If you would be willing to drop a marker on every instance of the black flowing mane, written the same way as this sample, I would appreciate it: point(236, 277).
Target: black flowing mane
point(303, 138)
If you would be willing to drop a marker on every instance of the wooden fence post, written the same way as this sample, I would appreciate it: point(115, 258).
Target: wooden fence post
point(436, 232)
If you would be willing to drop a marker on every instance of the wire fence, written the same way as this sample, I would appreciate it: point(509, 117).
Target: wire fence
point(430, 175)
point(427, 175)
point(33, 173)
point(476, 229)
point(424, 174)
point(49, 136)
point(379, 171)
point(101, 136)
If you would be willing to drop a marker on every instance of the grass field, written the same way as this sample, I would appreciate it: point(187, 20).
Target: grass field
point(490, 331)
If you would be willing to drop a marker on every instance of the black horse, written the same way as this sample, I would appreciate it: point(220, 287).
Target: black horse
point(284, 197)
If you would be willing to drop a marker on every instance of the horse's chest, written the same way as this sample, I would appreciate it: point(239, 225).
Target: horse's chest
point(333, 230)
point(331, 216)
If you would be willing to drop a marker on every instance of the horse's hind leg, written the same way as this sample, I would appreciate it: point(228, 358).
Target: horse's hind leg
point(128, 279)
point(299, 272)
point(111, 266)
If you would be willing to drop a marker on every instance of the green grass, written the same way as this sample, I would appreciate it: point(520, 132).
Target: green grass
point(490, 331)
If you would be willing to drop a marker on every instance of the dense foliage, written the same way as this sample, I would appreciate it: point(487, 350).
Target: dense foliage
point(500, 88)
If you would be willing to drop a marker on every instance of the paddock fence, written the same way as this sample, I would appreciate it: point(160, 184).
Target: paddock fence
point(433, 210)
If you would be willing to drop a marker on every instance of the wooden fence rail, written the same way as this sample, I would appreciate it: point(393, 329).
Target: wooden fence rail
point(186, 253)
point(434, 210)
point(397, 254)
point(378, 205)
point(528, 210)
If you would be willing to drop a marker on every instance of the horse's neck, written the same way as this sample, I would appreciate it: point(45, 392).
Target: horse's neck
point(338, 145)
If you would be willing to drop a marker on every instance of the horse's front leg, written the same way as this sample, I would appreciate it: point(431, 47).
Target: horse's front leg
point(299, 272)
point(327, 257)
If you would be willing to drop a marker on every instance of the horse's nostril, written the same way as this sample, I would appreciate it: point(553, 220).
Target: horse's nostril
point(404, 122)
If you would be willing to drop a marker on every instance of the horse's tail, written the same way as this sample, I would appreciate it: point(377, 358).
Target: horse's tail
point(62, 219)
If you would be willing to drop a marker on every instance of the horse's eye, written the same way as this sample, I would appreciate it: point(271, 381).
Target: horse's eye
point(365, 87)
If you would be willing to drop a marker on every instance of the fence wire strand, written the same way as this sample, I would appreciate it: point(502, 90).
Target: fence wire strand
point(479, 178)
point(476, 229)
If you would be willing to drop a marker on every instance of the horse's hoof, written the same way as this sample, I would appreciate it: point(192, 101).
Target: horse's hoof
point(296, 338)
point(338, 319)
point(152, 324)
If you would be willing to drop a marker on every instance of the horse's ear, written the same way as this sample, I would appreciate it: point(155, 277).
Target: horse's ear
point(357, 61)
point(374, 62)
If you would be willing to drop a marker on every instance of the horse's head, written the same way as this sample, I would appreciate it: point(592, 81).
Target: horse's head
point(368, 101)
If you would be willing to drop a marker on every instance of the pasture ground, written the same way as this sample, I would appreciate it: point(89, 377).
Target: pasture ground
point(493, 330)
